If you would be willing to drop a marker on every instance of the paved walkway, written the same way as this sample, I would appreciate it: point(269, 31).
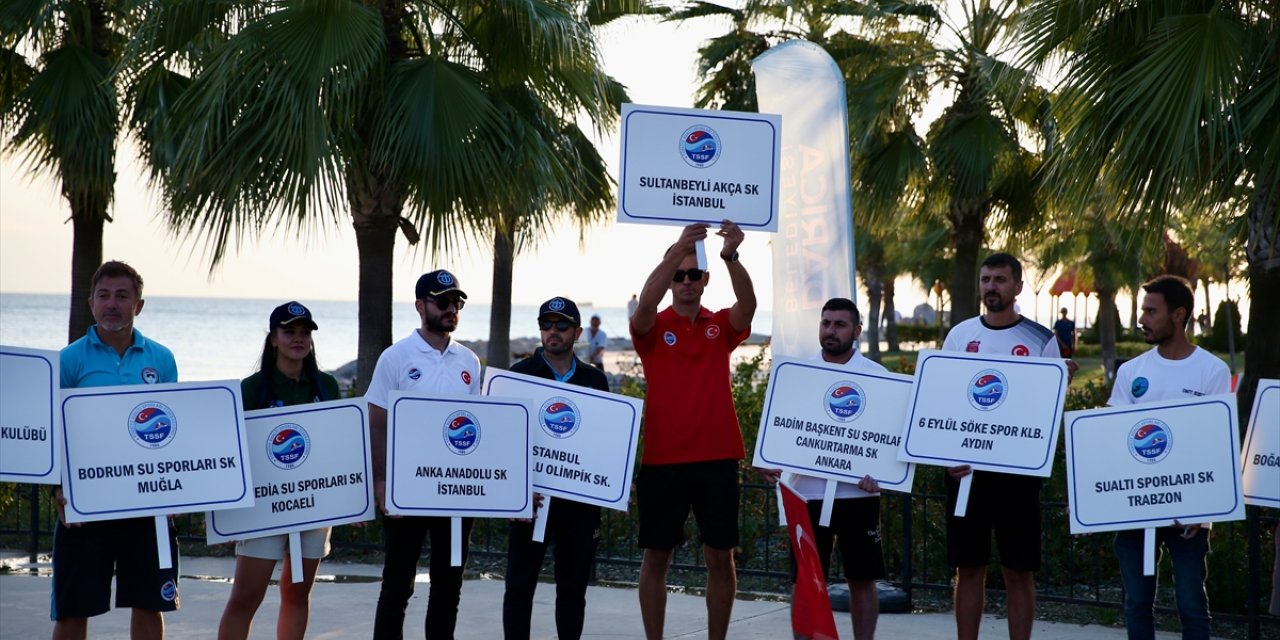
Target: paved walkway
point(343, 601)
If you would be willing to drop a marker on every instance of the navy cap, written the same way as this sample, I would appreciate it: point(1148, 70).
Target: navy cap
point(562, 307)
point(289, 313)
point(436, 283)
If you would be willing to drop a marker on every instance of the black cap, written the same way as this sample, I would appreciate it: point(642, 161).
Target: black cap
point(437, 283)
point(289, 313)
point(562, 307)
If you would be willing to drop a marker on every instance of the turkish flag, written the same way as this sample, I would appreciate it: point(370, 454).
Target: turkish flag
point(811, 616)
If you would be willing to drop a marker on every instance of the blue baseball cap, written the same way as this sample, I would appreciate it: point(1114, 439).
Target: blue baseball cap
point(437, 283)
point(289, 313)
point(562, 307)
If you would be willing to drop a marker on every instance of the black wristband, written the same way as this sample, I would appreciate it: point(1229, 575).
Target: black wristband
point(733, 257)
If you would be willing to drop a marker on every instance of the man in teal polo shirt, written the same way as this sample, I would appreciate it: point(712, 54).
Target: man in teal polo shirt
point(85, 556)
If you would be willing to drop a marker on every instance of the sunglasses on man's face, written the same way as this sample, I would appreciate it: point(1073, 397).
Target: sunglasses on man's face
point(444, 302)
point(560, 325)
point(693, 274)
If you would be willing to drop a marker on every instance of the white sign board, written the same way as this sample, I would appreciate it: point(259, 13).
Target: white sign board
point(825, 420)
point(1146, 465)
point(150, 450)
point(1261, 456)
point(583, 440)
point(459, 456)
point(991, 413)
point(30, 443)
point(693, 165)
point(311, 469)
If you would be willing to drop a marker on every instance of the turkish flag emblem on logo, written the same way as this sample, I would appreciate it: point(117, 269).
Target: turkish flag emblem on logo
point(466, 377)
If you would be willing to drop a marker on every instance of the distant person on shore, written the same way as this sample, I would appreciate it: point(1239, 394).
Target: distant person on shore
point(631, 307)
point(1065, 330)
point(86, 555)
point(693, 444)
point(287, 375)
point(597, 341)
point(1003, 503)
point(572, 526)
point(427, 361)
point(1174, 369)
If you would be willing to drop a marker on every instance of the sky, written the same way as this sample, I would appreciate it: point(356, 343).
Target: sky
point(605, 266)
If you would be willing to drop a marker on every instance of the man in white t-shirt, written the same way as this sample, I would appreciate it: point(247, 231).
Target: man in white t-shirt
point(855, 517)
point(597, 341)
point(429, 362)
point(1175, 369)
point(1003, 503)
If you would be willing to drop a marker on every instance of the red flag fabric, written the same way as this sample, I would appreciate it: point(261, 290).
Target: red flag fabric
point(811, 615)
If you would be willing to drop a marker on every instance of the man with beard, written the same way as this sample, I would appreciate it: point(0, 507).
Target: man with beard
point(428, 361)
point(692, 441)
point(573, 526)
point(855, 516)
point(1174, 370)
point(87, 555)
point(1007, 504)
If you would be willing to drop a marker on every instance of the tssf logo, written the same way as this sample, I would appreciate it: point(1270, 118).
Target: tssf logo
point(700, 146)
point(462, 432)
point(151, 425)
point(1150, 441)
point(845, 401)
point(288, 445)
point(560, 417)
point(987, 390)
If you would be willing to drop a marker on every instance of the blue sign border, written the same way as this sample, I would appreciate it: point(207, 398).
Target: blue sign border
point(144, 390)
point(1190, 517)
point(368, 471)
point(1047, 461)
point(53, 399)
point(585, 391)
point(768, 404)
point(438, 511)
point(622, 170)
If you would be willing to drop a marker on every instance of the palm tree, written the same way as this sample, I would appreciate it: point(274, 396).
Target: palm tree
point(1172, 106)
point(399, 112)
point(60, 110)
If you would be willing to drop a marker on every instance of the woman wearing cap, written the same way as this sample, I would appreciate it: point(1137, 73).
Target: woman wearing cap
point(287, 375)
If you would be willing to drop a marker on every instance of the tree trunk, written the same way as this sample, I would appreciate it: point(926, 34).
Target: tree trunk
point(504, 257)
point(1107, 314)
point(1262, 349)
point(871, 328)
point(1133, 310)
point(86, 256)
point(890, 316)
point(967, 233)
point(375, 242)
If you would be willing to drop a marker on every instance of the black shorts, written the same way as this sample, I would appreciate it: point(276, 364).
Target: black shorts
point(668, 491)
point(85, 557)
point(855, 524)
point(1005, 503)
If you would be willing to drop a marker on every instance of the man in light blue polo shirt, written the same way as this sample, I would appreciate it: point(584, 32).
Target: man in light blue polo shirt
point(85, 556)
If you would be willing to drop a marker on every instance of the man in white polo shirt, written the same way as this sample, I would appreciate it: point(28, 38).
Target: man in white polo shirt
point(428, 361)
point(1173, 370)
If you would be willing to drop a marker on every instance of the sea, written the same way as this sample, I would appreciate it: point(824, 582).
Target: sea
point(221, 338)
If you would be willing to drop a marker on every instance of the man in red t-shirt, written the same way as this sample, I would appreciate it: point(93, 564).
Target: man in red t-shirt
point(692, 442)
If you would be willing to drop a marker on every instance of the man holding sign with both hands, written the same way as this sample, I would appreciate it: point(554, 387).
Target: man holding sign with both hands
point(573, 525)
point(693, 443)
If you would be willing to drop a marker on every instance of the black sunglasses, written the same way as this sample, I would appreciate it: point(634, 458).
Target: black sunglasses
point(444, 302)
point(560, 325)
point(694, 275)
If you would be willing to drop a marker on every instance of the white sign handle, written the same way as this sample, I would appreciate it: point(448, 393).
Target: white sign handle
point(295, 556)
point(700, 249)
point(828, 502)
point(962, 498)
point(1148, 552)
point(455, 542)
point(782, 510)
point(162, 542)
point(540, 518)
